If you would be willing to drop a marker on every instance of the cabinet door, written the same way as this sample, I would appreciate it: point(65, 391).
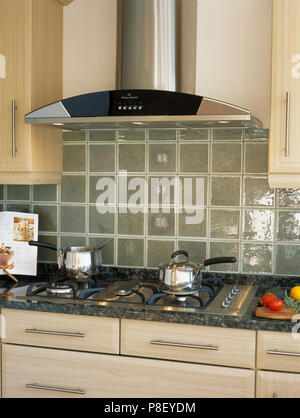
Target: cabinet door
point(41, 372)
point(285, 107)
point(277, 385)
point(191, 343)
point(15, 47)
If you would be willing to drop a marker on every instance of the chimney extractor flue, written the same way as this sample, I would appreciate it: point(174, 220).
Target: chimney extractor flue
point(147, 44)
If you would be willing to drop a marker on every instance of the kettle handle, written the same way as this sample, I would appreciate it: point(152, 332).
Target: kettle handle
point(176, 253)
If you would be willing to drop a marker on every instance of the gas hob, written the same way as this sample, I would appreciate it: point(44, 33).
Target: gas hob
point(213, 296)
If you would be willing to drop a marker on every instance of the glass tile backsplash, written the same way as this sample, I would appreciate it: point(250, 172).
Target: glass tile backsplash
point(155, 191)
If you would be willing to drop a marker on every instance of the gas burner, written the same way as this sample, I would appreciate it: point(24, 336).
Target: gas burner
point(57, 289)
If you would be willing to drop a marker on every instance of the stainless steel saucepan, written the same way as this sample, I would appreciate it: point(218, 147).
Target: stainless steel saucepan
point(185, 275)
point(77, 262)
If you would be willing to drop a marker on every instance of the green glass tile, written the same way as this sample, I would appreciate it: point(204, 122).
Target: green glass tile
point(21, 207)
point(131, 135)
point(256, 158)
point(102, 189)
point(102, 135)
point(161, 190)
point(225, 191)
point(226, 158)
point(162, 135)
point(47, 217)
point(74, 136)
point(107, 253)
point(196, 250)
point(72, 219)
point(162, 158)
point(159, 252)
point(288, 198)
point(192, 224)
point(73, 188)
point(45, 193)
point(288, 226)
point(161, 224)
point(74, 158)
point(257, 258)
point(45, 254)
point(257, 192)
point(130, 223)
point(18, 192)
point(130, 252)
point(224, 224)
point(258, 225)
point(132, 190)
point(256, 134)
point(224, 249)
point(73, 241)
point(132, 157)
point(102, 158)
point(100, 223)
point(227, 134)
point(193, 191)
point(194, 135)
point(1, 192)
point(287, 260)
point(193, 158)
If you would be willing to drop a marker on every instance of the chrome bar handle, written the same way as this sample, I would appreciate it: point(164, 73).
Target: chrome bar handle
point(13, 130)
point(55, 389)
point(283, 353)
point(60, 333)
point(201, 347)
point(287, 123)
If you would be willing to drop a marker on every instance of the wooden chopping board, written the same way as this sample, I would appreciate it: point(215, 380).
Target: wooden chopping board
point(265, 312)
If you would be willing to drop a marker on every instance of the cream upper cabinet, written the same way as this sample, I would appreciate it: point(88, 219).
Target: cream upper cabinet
point(31, 39)
point(284, 153)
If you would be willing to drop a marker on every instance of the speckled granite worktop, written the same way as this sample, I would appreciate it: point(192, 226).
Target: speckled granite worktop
point(248, 321)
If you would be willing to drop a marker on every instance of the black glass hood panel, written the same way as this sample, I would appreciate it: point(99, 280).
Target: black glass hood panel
point(131, 103)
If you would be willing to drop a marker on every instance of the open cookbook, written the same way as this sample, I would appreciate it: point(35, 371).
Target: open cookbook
point(16, 256)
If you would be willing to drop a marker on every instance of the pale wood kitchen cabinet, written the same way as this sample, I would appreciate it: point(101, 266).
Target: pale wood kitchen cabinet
point(284, 151)
point(42, 372)
point(189, 343)
point(70, 332)
point(277, 385)
point(31, 40)
point(278, 355)
point(53, 355)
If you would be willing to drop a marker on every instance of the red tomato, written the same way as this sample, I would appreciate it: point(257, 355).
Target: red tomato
point(276, 304)
point(267, 298)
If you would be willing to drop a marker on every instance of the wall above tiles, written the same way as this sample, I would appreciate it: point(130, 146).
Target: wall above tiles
point(243, 217)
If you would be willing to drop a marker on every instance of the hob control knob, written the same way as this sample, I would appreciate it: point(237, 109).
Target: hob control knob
point(226, 303)
point(235, 289)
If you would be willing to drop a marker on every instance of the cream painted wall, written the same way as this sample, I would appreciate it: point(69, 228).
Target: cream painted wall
point(90, 38)
point(234, 53)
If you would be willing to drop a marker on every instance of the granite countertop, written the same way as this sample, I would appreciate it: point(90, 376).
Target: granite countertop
point(248, 321)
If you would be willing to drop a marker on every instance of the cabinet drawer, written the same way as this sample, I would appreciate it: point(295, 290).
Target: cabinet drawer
point(278, 351)
point(74, 332)
point(192, 343)
point(277, 385)
point(41, 372)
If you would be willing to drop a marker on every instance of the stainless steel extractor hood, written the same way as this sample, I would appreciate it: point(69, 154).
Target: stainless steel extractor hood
point(149, 81)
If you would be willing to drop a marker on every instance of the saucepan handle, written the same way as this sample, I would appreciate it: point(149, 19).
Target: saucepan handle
point(43, 244)
point(219, 260)
point(180, 252)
